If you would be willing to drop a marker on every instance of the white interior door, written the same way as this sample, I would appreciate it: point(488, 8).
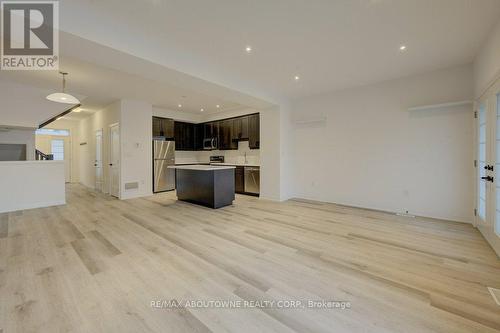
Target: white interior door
point(488, 163)
point(495, 223)
point(98, 161)
point(114, 161)
point(482, 164)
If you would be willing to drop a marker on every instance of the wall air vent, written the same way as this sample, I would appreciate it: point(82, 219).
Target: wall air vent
point(131, 186)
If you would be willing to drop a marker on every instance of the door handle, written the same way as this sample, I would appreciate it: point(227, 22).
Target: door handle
point(488, 178)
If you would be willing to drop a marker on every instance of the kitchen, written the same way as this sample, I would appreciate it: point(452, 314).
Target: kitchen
point(230, 144)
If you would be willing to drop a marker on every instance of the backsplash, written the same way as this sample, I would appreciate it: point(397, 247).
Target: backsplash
point(230, 156)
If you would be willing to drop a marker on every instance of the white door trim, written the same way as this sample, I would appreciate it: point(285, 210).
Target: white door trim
point(110, 185)
point(101, 187)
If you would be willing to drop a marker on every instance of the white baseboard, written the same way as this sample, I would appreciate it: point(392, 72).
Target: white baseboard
point(491, 237)
point(32, 206)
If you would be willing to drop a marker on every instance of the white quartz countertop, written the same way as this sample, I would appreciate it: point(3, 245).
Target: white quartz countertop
point(202, 167)
point(236, 164)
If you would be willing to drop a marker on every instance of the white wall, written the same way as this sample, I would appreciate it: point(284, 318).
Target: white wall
point(287, 153)
point(136, 135)
point(20, 136)
point(487, 62)
point(371, 152)
point(31, 184)
point(87, 129)
point(270, 154)
point(178, 115)
point(228, 114)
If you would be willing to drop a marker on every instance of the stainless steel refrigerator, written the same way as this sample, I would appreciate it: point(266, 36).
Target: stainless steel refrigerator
point(163, 157)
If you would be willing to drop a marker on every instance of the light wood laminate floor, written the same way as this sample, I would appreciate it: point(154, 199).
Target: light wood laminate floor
point(97, 263)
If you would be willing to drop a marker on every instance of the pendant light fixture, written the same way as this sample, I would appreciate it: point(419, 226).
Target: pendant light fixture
point(62, 97)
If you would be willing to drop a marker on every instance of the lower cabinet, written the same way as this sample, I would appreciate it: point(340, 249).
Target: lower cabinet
point(239, 179)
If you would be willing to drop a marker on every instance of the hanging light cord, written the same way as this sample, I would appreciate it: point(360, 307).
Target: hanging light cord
point(64, 81)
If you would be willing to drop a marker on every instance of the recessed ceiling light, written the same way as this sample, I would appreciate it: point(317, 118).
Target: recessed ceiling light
point(180, 105)
point(217, 106)
point(59, 118)
point(402, 48)
point(202, 110)
point(248, 49)
point(296, 78)
point(77, 110)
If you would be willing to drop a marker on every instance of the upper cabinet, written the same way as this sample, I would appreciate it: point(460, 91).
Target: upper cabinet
point(199, 136)
point(226, 135)
point(254, 131)
point(163, 127)
point(184, 135)
point(227, 132)
point(240, 125)
point(211, 131)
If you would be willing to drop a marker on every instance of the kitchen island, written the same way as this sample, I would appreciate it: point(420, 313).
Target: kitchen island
point(206, 185)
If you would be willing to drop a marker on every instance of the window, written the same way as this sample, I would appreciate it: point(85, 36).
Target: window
point(49, 131)
point(58, 150)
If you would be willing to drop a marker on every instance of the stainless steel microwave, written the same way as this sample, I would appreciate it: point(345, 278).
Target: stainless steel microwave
point(210, 144)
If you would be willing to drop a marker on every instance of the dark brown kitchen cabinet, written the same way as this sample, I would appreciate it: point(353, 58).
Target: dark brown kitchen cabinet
point(254, 131)
point(239, 179)
point(199, 135)
point(227, 132)
point(226, 135)
point(163, 127)
point(156, 126)
point(240, 129)
point(211, 129)
point(184, 135)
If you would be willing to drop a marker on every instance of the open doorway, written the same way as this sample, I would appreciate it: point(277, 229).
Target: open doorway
point(56, 142)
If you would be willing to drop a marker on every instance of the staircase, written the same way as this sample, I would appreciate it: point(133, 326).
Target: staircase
point(39, 156)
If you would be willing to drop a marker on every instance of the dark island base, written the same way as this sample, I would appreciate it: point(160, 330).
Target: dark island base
point(213, 189)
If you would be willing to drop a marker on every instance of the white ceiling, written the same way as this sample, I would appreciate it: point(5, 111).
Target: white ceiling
point(99, 75)
point(25, 106)
point(162, 50)
point(331, 44)
point(99, 86)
